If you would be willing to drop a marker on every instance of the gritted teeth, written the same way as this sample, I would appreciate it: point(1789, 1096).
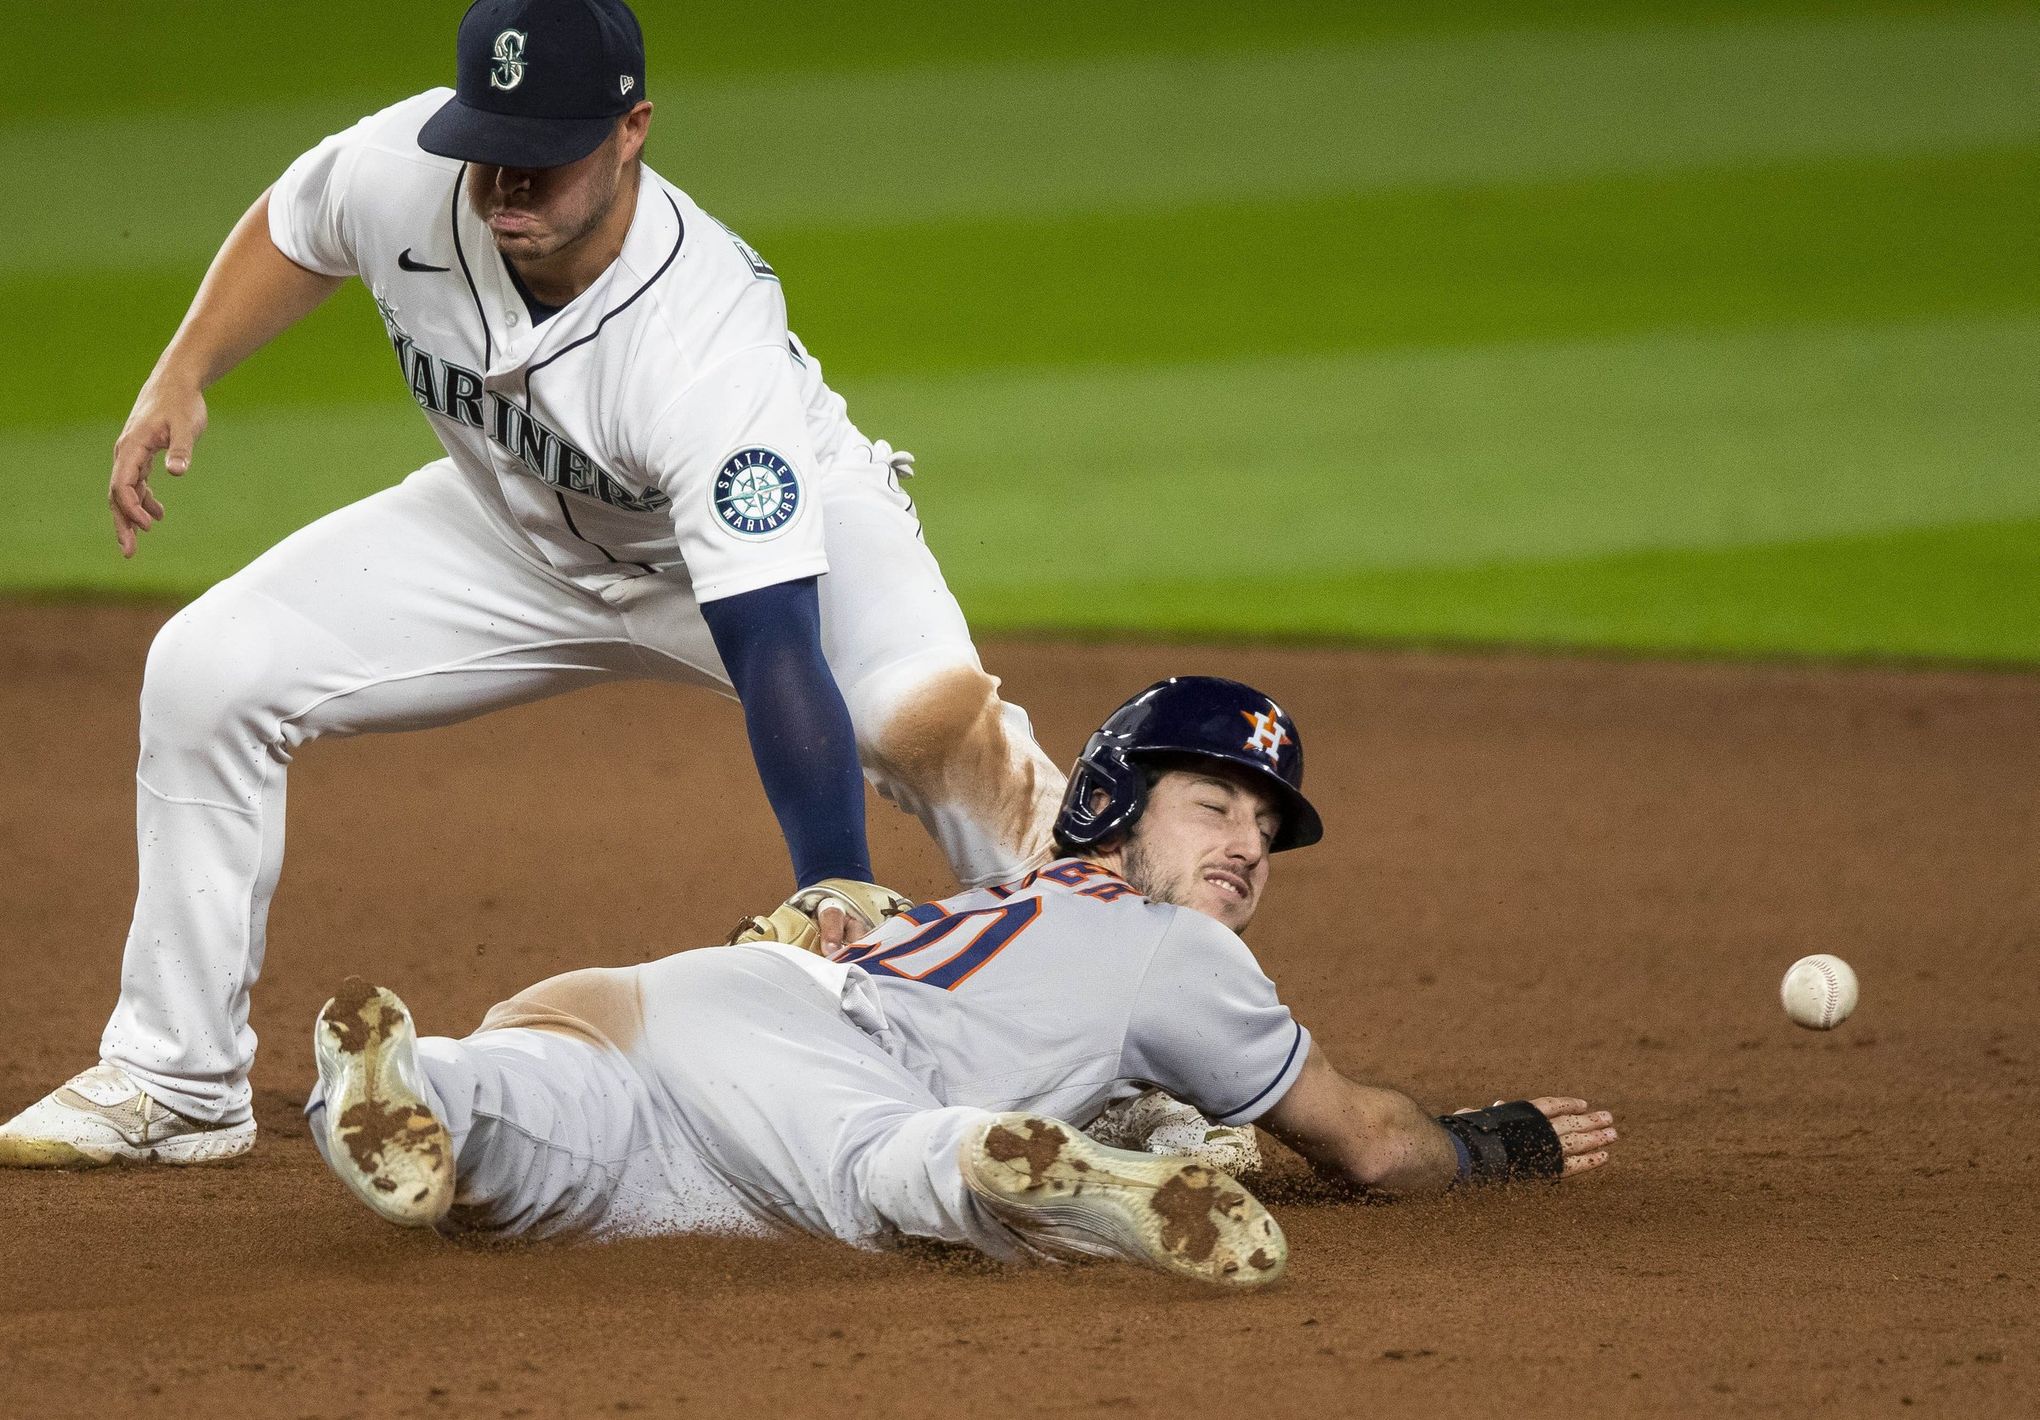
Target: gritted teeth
point(1227, 882)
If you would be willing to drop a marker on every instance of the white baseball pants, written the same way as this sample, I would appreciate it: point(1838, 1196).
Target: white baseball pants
point(420, 606)
point(735, 1090)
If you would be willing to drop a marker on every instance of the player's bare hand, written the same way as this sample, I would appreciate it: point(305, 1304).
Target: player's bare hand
point(168, 418)
point(1584, 1134)
point(838, 925)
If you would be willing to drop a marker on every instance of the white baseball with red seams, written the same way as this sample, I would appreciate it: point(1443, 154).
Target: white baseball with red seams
point(1819, 991)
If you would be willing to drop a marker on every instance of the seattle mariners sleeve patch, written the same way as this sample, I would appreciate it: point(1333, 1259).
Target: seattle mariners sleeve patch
point(757, 263)
point(755, 493)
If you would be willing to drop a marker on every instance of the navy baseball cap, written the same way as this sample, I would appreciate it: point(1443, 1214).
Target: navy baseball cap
point(540, 82)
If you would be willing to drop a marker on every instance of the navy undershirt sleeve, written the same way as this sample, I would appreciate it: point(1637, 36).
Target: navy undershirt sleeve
point(771, 643)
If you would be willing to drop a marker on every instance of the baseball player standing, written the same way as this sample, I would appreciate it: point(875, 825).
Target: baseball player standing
point(928, 1082)
point(645, 477)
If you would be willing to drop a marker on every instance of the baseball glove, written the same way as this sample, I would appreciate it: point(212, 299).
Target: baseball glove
point(796, 920)
point(1154, 1122)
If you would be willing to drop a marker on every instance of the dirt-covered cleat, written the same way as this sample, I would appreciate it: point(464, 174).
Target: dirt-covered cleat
point(104, 1116)
point(1071, 1196)
point(382, 1138)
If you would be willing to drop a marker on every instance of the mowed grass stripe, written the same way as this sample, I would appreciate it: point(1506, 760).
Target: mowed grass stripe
point(1457, 457)
point(1829, 242)
point(1518, 106)
point(1298, 468)
point(1961, 593)
point(1145, 133)
point(1784, 245)
point(255, 477)
point(260, 51)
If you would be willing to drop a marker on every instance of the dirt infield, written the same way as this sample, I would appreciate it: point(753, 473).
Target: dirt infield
point(1539, 875)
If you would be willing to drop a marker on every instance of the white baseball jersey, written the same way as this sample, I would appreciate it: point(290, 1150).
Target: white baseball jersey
point(666, 415)
point(659, 442)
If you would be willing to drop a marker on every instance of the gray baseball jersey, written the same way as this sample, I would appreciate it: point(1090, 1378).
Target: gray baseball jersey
point(749, 1088)
point(1068, 990)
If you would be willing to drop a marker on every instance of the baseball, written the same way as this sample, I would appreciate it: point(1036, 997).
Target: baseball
point(1819, 991)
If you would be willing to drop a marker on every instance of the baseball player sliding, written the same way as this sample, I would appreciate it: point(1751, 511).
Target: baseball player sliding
point(645, 477)
point(930, 1080)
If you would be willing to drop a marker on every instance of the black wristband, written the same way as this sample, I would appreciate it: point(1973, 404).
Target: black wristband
point(1507, 1142)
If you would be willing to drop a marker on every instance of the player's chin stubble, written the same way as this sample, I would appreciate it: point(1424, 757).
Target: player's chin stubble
point(560, 229)
point(1144, 875)
point(1157, 885)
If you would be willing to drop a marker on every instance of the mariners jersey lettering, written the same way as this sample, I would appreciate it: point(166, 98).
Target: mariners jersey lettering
point(1068, 990)
point(666, 415)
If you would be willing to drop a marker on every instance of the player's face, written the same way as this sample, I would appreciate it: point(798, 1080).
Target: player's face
point(536, 212)
point(1202, 842)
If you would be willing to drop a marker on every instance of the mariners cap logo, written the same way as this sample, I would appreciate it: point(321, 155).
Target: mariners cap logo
point(755, 493)
point(508, 71)
point(1268, 736)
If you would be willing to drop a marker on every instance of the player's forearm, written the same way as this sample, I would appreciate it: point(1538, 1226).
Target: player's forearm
point(800, 730)
point(1413, 1156)
point(251, 294)
point(1380, 1140)
point(1392, 1148)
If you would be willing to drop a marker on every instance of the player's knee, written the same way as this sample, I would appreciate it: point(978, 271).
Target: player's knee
point(597, 1003)
point(209, 673)
point(926, 736)
point(948, 744)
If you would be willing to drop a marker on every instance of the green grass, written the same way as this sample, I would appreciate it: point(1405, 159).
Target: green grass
point(1019, 141)
point(1650, 440)
point(158, 56)
point(1776, 246)
point(1951, 592)
point(1472, 456)
point(1584, 326)
point(1781, 245)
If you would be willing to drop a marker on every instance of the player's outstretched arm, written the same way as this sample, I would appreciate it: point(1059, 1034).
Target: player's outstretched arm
point(251, 294)
point(802, 739)
point(1377, 1139)
point(1383, 1142)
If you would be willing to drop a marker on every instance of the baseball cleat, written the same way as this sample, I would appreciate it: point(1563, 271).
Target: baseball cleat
point(104, 1117)
point(382, 1138)
point(1071, 1196)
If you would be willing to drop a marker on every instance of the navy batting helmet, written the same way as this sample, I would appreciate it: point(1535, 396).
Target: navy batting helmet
point(1197, 716)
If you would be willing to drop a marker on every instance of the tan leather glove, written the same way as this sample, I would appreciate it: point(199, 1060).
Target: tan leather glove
point(795, 921)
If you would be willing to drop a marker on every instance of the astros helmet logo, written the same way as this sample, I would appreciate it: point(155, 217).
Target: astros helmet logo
point(508, 72)
point(1268, 736)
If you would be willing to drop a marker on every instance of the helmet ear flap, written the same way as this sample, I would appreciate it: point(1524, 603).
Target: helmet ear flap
point(1107, 771)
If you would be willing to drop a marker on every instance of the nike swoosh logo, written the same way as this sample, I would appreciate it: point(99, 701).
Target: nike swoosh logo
point(404, 260)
